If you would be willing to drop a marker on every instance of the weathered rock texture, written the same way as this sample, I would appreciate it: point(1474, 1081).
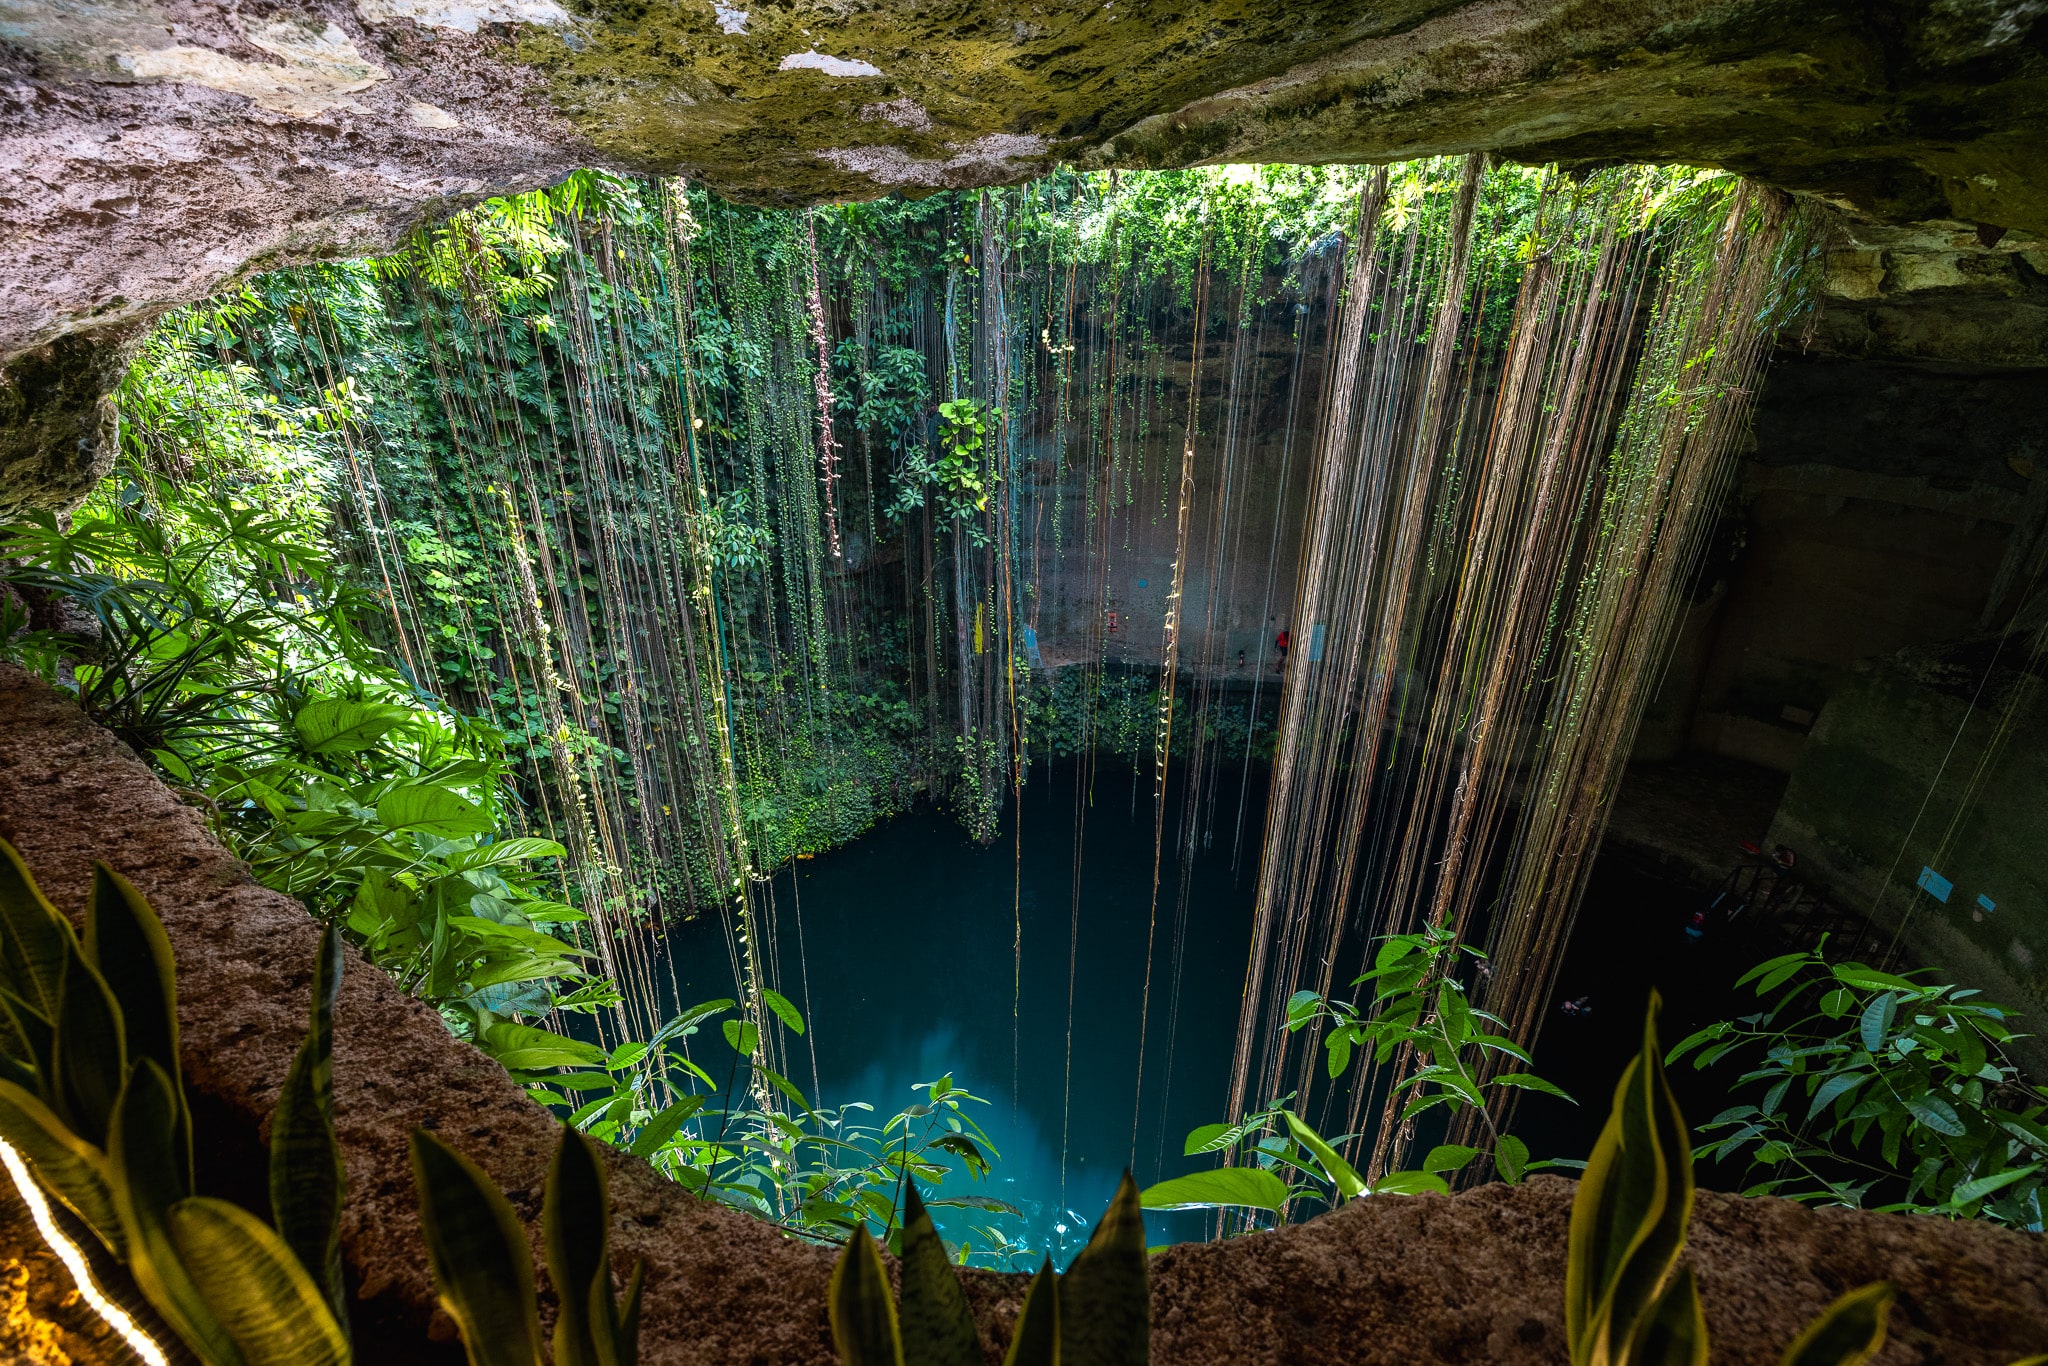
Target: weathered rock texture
point(153, 150)
point(1476, 1278)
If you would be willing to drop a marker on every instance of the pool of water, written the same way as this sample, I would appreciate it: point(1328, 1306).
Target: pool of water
point(902, 950)
point(914, 952)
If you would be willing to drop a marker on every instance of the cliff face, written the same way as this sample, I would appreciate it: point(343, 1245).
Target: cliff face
point(151, 151)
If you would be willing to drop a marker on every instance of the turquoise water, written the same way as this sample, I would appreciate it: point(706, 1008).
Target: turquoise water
point(900, 949)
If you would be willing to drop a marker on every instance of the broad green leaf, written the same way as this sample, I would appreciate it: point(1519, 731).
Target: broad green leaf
point(1529, 1081)
point(663, 1127)
point(784, 1011)
point(255, 1286)
point(479, 1255)
point(1630, 1214)
point(1412, 1183)
point(433, 811)
point(1449, 1157)
point(1036, 1341)
point(937, 1325)
point(67, 1166)
point(1771, 965)
point(510, 851)
point(339, 725)
point(1105, 1298)
point(1870, 979)
point(35, 940)
point(1876, 1023)
point(1340, 1173)
point(1937, 1114)
point(1971, 1191)
point(857, 1300)
point(1848, 1332)
point(1511, 1158)
point(1674, 1331)
point(307, 1183)
point(742, 1036)
point(1247, 1187)
point(1302, 1007)
point(1211, 1138)
point(1833, 1088)
point(525, 1048)
point(787, 1088)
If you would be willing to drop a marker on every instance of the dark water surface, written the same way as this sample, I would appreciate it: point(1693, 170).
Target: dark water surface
point(901, 949)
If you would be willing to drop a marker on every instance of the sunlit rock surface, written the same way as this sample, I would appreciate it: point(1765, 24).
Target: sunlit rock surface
point(152, 151)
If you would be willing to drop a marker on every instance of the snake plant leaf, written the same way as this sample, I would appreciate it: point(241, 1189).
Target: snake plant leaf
point(938, 1327)
point(622, 1347)
point(254, 1284)
point(89, 1053)
point(1630, 1215)
point(307, 1183)
point(1105, 1297)
point(37, 1037)
point(1848, 1332)
point(863, 1315)
point(65, 1164)
point(1342, 1176)
point(576, 1224)
point(1036, 1341)
point(35, 939)
point(1674, 1332)
point(480, 1259)
point(147, 1180)
point(125, 941)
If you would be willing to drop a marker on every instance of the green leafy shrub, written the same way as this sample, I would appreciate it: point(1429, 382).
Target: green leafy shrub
point(1420, 1013)
point(1878, 1086)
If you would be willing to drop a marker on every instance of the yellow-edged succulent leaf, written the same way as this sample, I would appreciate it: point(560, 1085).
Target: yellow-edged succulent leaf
point(482, 1265)
point(1630, 1215)
point(1848, 1332)
point(937, 1326)
point(1105, 1298)
point(863, 1314)
point(255, 1286)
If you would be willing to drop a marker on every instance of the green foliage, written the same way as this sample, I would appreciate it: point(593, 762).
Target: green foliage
point(1419, 1014)
point(485, 1274)
point(1875, 1086)
point(1627, 1301)
point(731, 1128)
point(1097, 1314)
point(92, 1096)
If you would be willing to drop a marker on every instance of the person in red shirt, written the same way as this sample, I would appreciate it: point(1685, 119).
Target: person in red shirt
point(1280, 643)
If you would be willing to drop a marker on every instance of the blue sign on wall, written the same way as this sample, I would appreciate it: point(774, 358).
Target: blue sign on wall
point(1935, 885)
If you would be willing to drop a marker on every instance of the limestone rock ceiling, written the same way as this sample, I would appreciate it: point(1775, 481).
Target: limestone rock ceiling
point(152, 151)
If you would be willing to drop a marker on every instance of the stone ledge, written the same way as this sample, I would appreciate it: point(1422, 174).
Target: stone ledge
point(1471, 1278)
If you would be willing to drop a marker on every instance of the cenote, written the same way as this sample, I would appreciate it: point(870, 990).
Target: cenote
point(1262, 714)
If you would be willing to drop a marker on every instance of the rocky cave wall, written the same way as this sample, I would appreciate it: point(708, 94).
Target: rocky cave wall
point(153, 151)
